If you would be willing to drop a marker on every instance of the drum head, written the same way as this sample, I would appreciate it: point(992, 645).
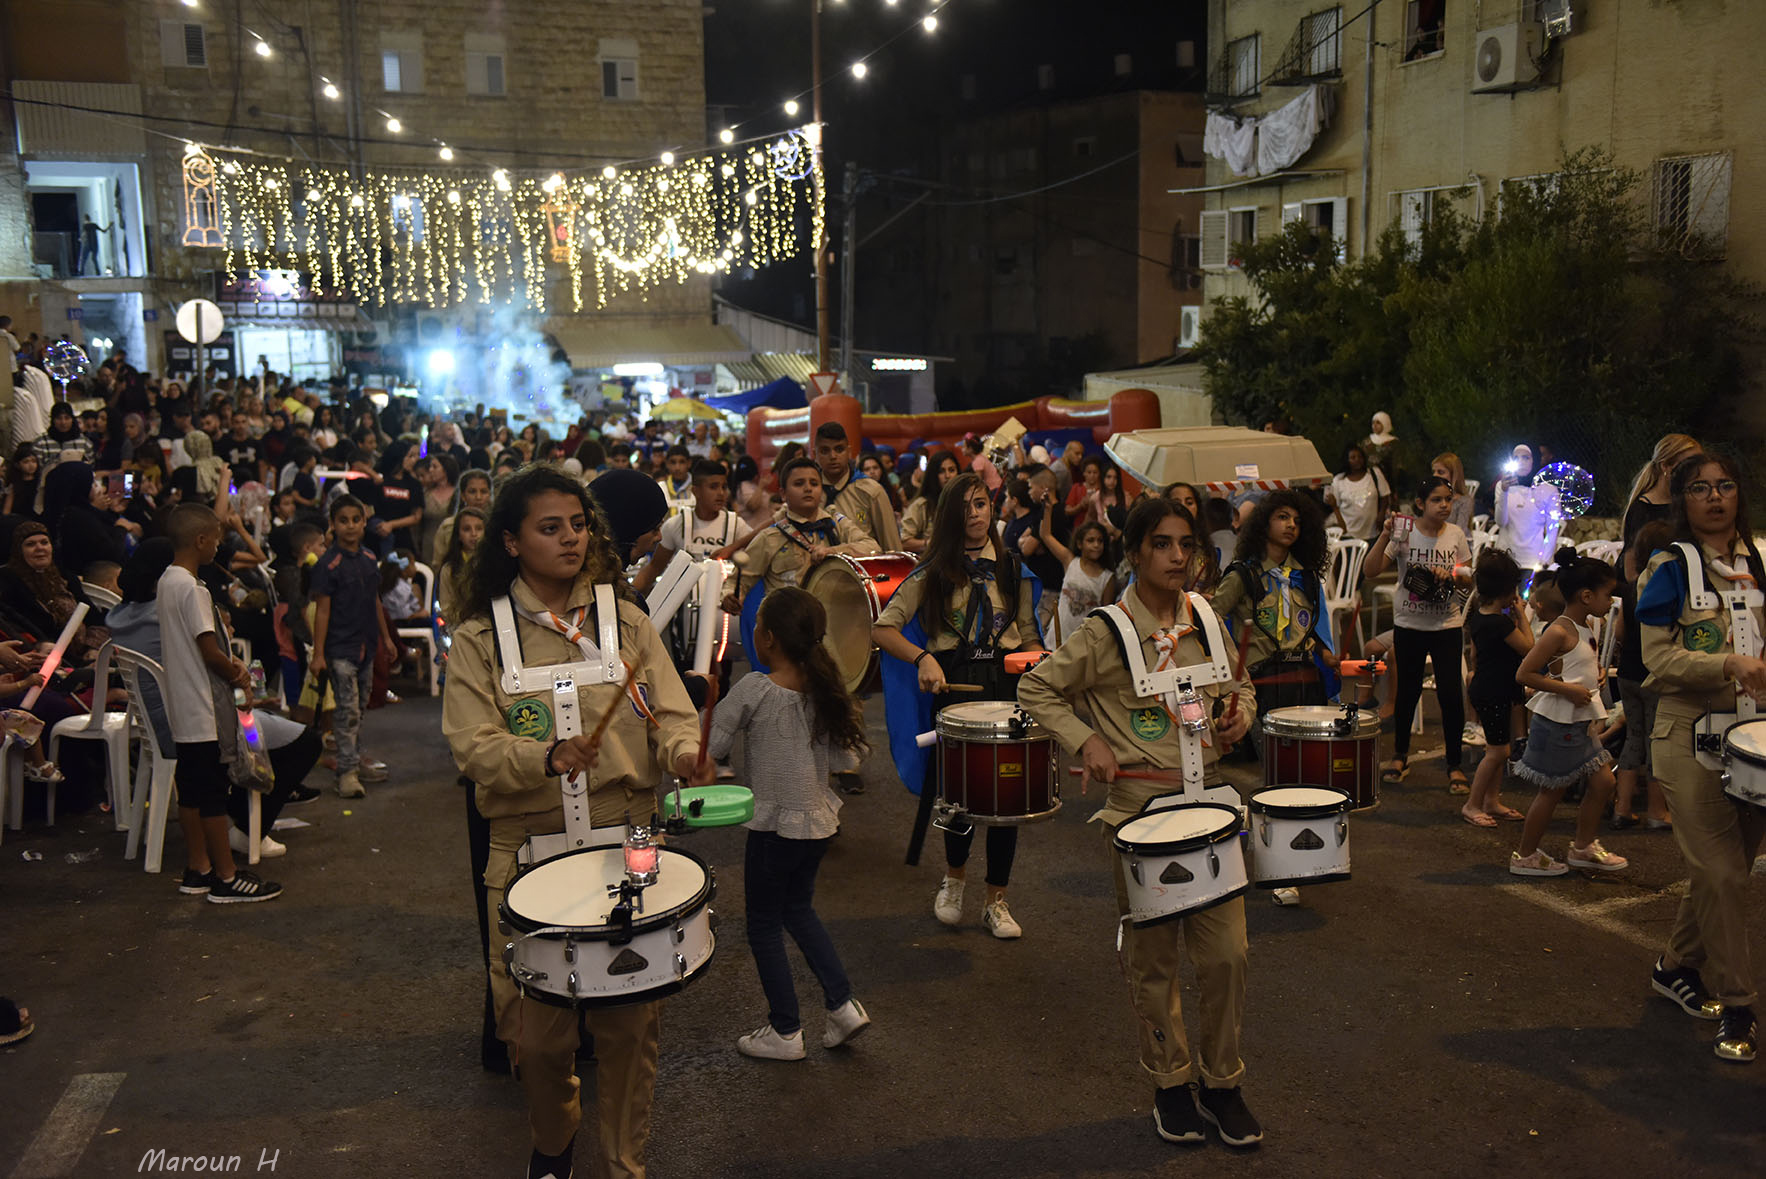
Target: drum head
point(1178, 828)
point(1747, 741)
point(717, 806)
point(986, 720)
point(571, 889)
point(1318, 720)
point(1300, 802)
point(836, 582)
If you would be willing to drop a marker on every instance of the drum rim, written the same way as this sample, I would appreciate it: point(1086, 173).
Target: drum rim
point(648, 923)
point(1232, 895)
point(1296, 881)
point(985, 731)
point(1318, 810)
point(1229, 831)
point(1367, 724)
point(1757, 760)
point(619, 998)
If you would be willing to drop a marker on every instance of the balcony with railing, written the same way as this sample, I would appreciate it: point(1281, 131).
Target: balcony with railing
point(1234, 76)
point(1315, 51)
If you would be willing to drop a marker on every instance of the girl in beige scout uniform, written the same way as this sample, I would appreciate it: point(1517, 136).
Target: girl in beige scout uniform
point(1130, 731)
point(1697, 666)
point(916, 518)
point(546, 549)
point(950, 639)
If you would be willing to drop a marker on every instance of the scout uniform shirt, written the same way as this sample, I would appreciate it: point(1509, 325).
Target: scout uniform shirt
point(1289, 617)
point(779, 556)
point(916, 519)
point(500, 741)
point(1088, 669)
point(1683, 648)
point(865, 503)
point(1019, 625)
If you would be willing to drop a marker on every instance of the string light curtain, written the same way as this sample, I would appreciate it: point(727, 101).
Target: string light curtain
point(449, 237)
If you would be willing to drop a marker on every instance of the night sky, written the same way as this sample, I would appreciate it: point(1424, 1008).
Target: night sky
point(757, 54)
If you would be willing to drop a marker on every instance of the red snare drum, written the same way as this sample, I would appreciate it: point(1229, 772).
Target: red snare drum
point(1324, 745)
point(854, 591)
point(996, 764)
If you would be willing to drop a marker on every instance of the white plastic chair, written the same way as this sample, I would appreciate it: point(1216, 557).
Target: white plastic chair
point(112, 728)
point(1601, 550)
point(1341, 592)
point(150, 801)
point(1481, 521)
point(12, 787)
point(99, 596)
point(425, 635)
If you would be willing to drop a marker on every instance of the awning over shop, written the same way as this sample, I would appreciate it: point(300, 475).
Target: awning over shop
point(353, 322)
point(594, 343)
point(783, 393)
point(765, 367)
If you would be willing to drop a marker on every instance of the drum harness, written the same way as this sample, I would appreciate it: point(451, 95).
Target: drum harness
point(1744, 635)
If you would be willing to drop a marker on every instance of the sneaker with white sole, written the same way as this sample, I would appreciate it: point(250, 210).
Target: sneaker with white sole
point(998, 920)
point(765, 1043)
point(371, 770)
point(349, 785)
point(1684, 986)
point(1738, 1035)
point(1472, 734)
point(1537, 864)
point(947, 906)
point(1285, 896)
point(845, 1023)
point(268, 849)
point(1175, 1115)
point(1597, 857)
point(1226, 1108)
point(244, 888)
point(196, 884)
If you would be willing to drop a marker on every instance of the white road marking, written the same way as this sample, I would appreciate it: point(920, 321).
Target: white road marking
point(69, 1126)
point(1588, 915)
point(1674, 891)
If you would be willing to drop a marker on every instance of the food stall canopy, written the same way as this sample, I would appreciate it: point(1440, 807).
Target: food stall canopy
point(1218, 459)
point(783, 393)
point(680, 409)
point(601, 343)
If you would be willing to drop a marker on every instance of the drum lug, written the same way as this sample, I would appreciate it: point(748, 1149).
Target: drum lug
point(1723, 781)
point(503, 927)
point(570, 950)
point(680, 967)
point(1214, 863)
point(508, 954)
point(680, 935)
point(1263, 830)
point(1342, 831)
point(1134, 870)
point(571, 984)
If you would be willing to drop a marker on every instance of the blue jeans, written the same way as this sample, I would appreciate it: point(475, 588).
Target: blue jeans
point(351, 681)
point(779, 887)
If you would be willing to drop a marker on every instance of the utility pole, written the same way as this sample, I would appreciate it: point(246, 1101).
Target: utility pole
point(848, 248)
point(821, 246)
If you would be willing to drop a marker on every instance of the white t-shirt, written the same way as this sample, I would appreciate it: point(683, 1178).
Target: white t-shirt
point(1080, 595)
point(707, 536)
point(186, 612)
point(1359, 502)
point(1441, 552)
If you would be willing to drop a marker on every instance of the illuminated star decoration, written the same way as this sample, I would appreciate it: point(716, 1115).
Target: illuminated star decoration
point(793, 157)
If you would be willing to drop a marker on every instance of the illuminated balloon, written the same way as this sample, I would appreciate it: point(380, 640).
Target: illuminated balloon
point(1575, 488)
point(65, 361)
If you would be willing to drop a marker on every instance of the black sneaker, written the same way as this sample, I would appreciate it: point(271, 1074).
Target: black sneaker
point(1685, 987)
point(1175, 1116)
point(849, 782)
point(196, 884)
point(302, 794)
point(551, 1166)
point(1226, 1109)
point(244, 888)
point(1738, 1035)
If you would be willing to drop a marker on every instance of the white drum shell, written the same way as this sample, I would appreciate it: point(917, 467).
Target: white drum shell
point(1744, 761)
point(1279, 818)
point(1216, 872)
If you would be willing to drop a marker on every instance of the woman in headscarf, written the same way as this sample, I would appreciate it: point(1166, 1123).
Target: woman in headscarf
point(81, 520)
point(126, 445)
point(211, 472)
point(34, 592)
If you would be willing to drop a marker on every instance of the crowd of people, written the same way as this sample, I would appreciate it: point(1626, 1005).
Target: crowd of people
point(233, 522)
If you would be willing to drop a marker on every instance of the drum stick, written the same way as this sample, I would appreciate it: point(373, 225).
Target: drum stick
point(1136, 775)
point(1232, 707)
point(927, 739)
point(742, 542)
point(964, 688)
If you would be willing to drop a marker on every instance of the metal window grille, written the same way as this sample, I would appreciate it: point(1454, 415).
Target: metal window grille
point(1235, 74)
point(1425, 28)
point(1692, 204)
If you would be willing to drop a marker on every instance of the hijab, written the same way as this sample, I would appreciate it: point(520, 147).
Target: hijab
point(1382, 432)
point(69, 486)
point(211, 472)
point(47, 586)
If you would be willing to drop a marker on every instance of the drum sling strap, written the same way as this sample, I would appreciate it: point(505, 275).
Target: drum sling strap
point(1744, 635)
point(600, 665)
point(1255, 589)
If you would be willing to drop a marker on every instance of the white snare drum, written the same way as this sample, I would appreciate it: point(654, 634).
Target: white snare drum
point(570, 949)
point(1182, 859)
point(1744, 761)
point(1299, 834)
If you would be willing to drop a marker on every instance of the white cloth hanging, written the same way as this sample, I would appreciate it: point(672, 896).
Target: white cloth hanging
point(1286, 133)
point(1233, 140)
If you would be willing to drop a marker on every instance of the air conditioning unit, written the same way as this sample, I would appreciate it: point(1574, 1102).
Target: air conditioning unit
point(1189, 327)
point(1559, 17)
point(1506, 57)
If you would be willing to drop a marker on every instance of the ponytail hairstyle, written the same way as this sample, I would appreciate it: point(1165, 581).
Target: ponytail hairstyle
point(797, 621)
point(945, 561)
point(1669, 451)
point(1584, 573)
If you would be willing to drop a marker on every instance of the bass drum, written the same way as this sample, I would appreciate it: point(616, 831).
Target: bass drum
point(854, 591)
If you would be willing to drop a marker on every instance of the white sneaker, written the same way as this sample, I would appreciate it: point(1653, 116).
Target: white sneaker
point(1597, 857)
point(349, 785)
point(948, 905)
point(268, 849)
point(845, 1022)
point(998, 920)
point(1472, 734)
point(1285, 896)
point(764, 1043)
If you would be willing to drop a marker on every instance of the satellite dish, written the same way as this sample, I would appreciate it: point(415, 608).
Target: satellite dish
point(1489, 59)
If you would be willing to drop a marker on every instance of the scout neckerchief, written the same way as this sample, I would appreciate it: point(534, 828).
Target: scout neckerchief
point(803, 533)
point(832, 492)
point(982, 627)
point(1741, 599)
point(1283, 580)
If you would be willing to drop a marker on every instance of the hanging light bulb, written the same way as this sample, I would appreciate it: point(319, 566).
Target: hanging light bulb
point(860, 69)
point(330, 90)
point(394, 125)
point(453, 196)
point(727, 135)
point(356, 202)
point(313, 196)
point(446, 153)
point(791, 107)
point(930, 24)
point(668, 157)
point(263, 48)
point(554, 182)
point(609, 172)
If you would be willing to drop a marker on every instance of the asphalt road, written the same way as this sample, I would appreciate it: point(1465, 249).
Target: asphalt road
point(1432, 1016)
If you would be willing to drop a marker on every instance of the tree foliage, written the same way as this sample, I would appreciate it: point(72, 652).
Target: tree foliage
point(1555, 322)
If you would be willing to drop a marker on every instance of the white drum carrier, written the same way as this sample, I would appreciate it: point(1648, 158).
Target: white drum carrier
point(1712, 743)
point(598, 916)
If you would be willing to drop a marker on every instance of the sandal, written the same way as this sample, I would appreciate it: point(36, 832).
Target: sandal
point(15, 1022)
point(1507, 813)
point(1458, 783)
point(1395, 770)
point(1477, 819)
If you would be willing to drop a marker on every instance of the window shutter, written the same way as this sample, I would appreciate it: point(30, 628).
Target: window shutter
point(477, 80)
point(1340, 226)
point(182, 46)
point(493, 74)
point(392, 74)
point(1291, 213)
point(1214, 239)
point(1707, 214)
point(411, 66)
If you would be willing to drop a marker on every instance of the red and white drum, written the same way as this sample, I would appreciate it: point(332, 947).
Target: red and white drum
point(1324, 745)
point(854, 591)
point(995, 764)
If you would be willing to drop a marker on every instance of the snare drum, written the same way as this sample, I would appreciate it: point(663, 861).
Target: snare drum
point(1178, 860)
point(1744, 761)
point(1323, 745)
point(996, 764)
point(854, 591)
point(565, 949)
point(1299, 835)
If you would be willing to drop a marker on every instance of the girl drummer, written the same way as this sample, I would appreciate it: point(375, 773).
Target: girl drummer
point(546, 549)
point(1089, 670)
point(964, 640)
point(1697, 666)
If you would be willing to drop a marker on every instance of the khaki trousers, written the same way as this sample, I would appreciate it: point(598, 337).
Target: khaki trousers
point(543, 1040)
point(1215, 940)
point(1719, 838)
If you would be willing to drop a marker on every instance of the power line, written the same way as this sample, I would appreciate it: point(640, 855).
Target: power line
point(1014, 196)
